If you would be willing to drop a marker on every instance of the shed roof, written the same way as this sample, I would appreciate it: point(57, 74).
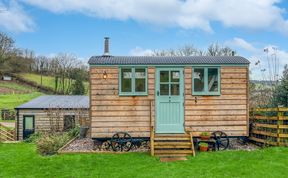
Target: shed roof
point(166, 60)
point(57, 101)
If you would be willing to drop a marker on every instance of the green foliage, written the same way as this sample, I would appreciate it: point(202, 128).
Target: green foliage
point(34, 137)
point(281, 92)
point(22, 160)
point(74, 132)
point(49, 81)
point(203, 144)
point(78, 87)
point(49, 144)
point(205, 134)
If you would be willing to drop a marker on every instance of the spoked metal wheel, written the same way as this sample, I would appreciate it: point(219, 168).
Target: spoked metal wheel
point(121, 141)
point(222, 140)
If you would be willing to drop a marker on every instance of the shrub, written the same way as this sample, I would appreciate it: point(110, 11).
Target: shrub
point(205, 134)
point(49, 144)
point(33, 138)
point(74, 132)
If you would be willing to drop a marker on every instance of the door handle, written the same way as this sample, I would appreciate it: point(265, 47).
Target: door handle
point(157, 93)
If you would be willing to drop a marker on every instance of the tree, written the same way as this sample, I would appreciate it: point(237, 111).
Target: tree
point(189, 50)
point(78, 87)
point(281, 91)
point(6, 47)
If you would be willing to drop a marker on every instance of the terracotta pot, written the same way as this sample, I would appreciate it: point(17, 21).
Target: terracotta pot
point(203, 148)
point(205, 137)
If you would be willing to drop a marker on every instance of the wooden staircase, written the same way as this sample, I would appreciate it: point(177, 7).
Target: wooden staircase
point(172, 145)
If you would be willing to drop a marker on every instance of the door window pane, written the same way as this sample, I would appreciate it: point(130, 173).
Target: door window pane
point(213, 79)
point(164, 89)
point(164, 76)
point(126, 85)
point(175, 76)
point(175, 89)
point(28, 123)
point(198, 79)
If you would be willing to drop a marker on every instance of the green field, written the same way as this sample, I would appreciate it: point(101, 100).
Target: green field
point(21, 160)
point(14, 94)
point(47, 81)
point(10, 101)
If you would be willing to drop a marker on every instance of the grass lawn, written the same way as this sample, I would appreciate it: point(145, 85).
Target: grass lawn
point(12, 86)
point(21, 160)
point(47, 81)
point(10, 101)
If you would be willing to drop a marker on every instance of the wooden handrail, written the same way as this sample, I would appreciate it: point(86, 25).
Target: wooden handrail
point(151, 129)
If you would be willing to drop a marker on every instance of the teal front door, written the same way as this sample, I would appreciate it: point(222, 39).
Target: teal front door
point(169, 100)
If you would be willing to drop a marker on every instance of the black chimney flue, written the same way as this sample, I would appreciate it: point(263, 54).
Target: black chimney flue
point(106, 46)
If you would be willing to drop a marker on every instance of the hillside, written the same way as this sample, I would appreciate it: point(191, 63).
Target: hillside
point(47, 81)
point(13, 94)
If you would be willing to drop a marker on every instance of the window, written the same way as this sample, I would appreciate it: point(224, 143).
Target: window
point(206, 81)
point(133, 81)
point(69, 122)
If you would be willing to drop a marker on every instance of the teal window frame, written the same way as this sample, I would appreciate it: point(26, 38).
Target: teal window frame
point(133, 92)
point(206, 92)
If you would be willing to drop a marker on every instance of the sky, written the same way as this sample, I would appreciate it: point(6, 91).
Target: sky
point(137, 27)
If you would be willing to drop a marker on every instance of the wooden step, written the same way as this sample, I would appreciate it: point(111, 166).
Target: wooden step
point(173, 151)
point(171, 155)
point(173, 143)
point(172, 138)
point(171, 146)
point(172, 135)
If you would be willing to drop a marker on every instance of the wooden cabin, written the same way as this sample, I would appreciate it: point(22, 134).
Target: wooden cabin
point(171, 95)
point(51, 113)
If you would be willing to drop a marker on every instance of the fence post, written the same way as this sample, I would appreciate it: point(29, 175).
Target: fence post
point(279, 123)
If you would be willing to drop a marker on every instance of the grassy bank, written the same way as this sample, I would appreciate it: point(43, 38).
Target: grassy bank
point(47, 81)
point(21, 160)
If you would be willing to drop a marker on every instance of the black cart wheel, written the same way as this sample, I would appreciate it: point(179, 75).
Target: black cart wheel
point(121, 141)
point(222, 140)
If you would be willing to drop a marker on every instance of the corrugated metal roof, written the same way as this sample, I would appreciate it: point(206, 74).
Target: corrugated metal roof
point(57, 101)
point(166, 60)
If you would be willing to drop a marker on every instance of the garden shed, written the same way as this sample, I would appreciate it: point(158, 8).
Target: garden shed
point(51, 113)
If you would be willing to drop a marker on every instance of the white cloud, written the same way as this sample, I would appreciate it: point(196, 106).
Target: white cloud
point(138, 51)
point(13, 18)
point(240, 43)
point(187, 14)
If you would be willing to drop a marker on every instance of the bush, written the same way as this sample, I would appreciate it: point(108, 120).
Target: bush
point(49, 144)
point(34, 137)
point(74, 132)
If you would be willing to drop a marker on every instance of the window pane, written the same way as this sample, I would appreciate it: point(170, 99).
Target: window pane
point(140, 85)
point(174, 89)
point(164, 89)
point(198, 80)
point(213, 79)
point(140, 73)
point(164, 76)
point(126, 80)
point(175, 76)
point(28, 123)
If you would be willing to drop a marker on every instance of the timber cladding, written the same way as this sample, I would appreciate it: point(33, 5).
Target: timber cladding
point(111, 113)
point(44, 122)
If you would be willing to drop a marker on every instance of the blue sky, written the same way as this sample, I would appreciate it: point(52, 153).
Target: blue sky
point(137, 27)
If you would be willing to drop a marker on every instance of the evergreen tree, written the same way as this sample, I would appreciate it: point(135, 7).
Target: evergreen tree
point(78, 87)
point(281, 91)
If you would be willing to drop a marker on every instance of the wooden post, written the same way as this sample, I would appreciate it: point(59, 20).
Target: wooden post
point(151, 131)
point(279, 123)
point(192, 144)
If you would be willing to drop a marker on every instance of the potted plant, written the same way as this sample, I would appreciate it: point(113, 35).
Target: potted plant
point(205, 136)
point(203, 146)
